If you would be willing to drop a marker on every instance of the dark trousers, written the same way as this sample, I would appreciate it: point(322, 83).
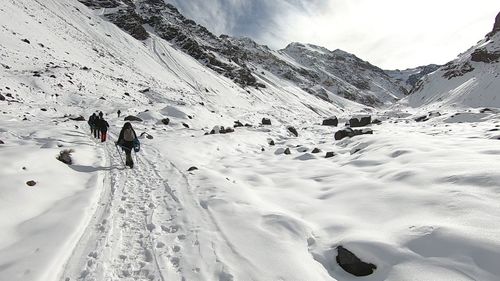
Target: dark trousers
point(127, 147)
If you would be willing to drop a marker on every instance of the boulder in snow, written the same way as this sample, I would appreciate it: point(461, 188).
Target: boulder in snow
point(316, 150)
point(292, 130)
point(193, 168)
point(330, 154)
point(360, 121)
point(332, 121)
point(132, 118)
point(266, 121)
point(287, 151)
point(165, 121)
point(31, 183)
point(2, 97)
point(79, 118)
point(238, 124)
point(352, 264)
point(185, 125)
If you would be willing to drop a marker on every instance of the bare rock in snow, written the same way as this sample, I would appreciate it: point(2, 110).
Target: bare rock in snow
point(79, 118)
point(287, 151)
point(238, 124)
point(2, 97)
point(316, 150)
point(292, 130)
point(266, 121)
point(352, 264)
point(31, 183)
point(185, 125)
point(329, 154)
point(193, 168)
point(132, 118)
point(360, 122)
point(332, 121)
point(165, 121)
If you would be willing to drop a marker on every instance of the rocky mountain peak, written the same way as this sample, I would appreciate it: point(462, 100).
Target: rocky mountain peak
point(496, 27)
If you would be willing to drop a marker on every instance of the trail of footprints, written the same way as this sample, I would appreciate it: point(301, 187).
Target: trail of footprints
point(138, 239)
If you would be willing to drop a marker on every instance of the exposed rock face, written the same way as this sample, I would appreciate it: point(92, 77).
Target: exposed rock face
point(352, 264)
point(482, 55)
point(348, 132)
point(496, 26)
point(314, 69)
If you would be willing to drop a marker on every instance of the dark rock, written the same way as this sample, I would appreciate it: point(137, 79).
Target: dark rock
point(360, 122)
point(148, 136)
point(329, 154)
point(316, 150)
point(185, 125)
point(485, 110)
point(293, 131)
point(43, 109)
point(102, 98)
point(31, 183)
point(127, 94)
point(352, 264)
point(79, 118)
point(1, 142)
point(422, 118)
point(229, 130)
point(132, 118)
point(26, 41)
point(65, 156)
point(2, 97)
point(287, 151)
point(144, 90)
point(85, 68)
point(237, 124)
point(376, 122)
point(248, 125)
point(222, 130)
point(266, 121)
point(482, 55)
point(190, 117)
point(193, 168)
point(165, 121)
point(9, 95)
point(271, 142)
point(262, 149)
point(332, 121)
point(348, 132)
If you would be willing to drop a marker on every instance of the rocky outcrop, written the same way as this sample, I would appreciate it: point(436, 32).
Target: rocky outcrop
point(292, 130)
point(482, 55)
point(496, 26)
point(266, 121)
point(132, 118)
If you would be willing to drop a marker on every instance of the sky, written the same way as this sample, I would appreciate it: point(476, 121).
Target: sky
point(388, 33)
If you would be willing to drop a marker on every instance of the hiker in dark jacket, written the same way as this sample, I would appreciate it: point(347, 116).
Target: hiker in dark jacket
point(102, 126)
point(101, 115)
point(119, 112)
point(127, 141)
point(92, 124)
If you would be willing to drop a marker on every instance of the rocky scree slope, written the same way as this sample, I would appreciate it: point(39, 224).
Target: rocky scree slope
point(314, 69)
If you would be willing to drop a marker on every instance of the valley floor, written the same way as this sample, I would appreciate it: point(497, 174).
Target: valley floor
point(419, 200)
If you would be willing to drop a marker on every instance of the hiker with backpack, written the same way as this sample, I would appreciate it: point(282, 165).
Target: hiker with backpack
point(102, 126)
point(92, 124)
point(128, 141)
point(119, 112)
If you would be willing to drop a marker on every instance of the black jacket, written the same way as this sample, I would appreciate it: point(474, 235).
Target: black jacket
point(122, 142)
point(102, 125)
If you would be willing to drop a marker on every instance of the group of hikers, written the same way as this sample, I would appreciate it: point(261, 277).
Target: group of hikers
point(127, 139)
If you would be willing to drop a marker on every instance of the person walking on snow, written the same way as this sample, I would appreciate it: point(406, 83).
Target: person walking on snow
point(119, 112)
point(102, 126)
point(92, 124)
point(101, 114)
point(128, 141)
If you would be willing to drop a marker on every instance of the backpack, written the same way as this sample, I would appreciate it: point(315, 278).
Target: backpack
point(128, 135)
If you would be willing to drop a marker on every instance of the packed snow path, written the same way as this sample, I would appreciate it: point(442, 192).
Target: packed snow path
point(141, 230)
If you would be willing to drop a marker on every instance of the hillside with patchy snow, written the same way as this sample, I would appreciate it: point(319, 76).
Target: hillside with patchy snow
point(294, 196)
point(471, 80)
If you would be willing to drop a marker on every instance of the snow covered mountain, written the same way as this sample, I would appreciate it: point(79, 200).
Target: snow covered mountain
point(284, 201)
point(408, 78)
point(471, 80)
point(314, 69)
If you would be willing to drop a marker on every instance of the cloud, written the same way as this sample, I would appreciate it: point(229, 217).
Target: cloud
point(388, 33)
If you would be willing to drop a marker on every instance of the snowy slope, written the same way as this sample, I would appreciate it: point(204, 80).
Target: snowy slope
point(472, 80)
point(406, 198)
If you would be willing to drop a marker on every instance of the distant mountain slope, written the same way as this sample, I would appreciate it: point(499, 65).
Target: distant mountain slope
point(316, 70)
point(471, 80)
point(408, 78)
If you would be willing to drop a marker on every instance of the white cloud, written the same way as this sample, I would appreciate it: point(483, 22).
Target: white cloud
point(388, 33)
